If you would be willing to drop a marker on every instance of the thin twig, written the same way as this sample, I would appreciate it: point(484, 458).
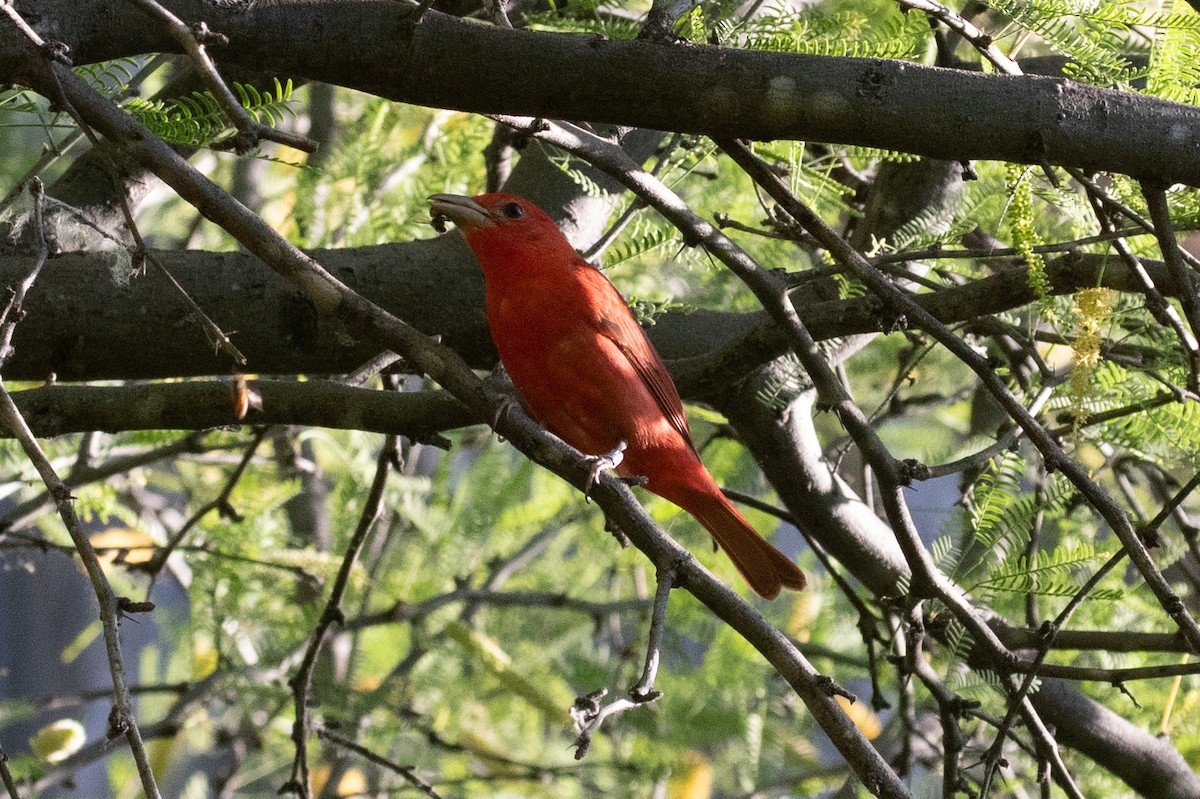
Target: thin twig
point(121, 720)
point(14, 310)
point(950, 708)
point(1160, 215)
point(976, 460)
point(982, 42)
point(193, 39)
point(588, 712)
point(6, 776)
point(123, 554)
point(1122, 209)
point(22, 514)
point(403, 612)
point(501, 569)
point(217, 338)
point(219, 503)
point(1110, 676)
point(658, 625)
point(332, 614)
point(999, 253)
point(409, 773)
point(1017, 702)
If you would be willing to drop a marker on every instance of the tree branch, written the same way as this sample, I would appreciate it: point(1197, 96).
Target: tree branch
point(942, 113)
point(443, 365)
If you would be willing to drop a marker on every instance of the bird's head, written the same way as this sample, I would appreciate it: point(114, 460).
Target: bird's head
point(502, 229)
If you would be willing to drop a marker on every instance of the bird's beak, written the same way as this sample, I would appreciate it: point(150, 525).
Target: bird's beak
point(462, 211)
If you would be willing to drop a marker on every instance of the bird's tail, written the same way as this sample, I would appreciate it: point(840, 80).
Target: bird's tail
point(764, 567)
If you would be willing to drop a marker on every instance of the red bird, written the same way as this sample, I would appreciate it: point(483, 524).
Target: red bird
point(587, 372)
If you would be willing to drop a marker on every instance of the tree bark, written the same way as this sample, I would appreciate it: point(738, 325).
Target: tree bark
point(897, 105)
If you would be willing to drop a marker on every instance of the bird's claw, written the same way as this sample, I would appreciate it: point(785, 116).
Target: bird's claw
point(502, 409)
point(602, 463)
point(500, 382)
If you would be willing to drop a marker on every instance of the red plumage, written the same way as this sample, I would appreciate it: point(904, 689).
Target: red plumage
point(587, 372)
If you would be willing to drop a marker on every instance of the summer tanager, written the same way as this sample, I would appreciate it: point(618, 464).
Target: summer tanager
point(585, 370)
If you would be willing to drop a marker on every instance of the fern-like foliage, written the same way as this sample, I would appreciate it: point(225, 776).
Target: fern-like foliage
point(933, 226)
point(198, 120)
point(570, 167)
point(1046, 574)
point(388, 159)
point(1092, 34)
point(980, 683)
point(946, 553)
point(946, 224)
point(109, 77)
point(887, 34)
point(1174, 69)
point(1169, 434)
point(605, 19)
point(1184, 203)
point(958, 641)
point(644, 239)
point(996, 491)
point(647, 311)
point(1000, 514)
point(868, 154)
point(848, 288)
point(19, 101)
point(810, 177)
point(784, 383)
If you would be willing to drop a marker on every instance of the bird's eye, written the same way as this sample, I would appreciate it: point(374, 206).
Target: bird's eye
point(513, 210)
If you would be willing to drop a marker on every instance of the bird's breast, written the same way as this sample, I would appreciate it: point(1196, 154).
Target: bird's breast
point(572, 377)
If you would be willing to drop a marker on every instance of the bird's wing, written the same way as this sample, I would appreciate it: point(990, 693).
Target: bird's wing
point(618, 325)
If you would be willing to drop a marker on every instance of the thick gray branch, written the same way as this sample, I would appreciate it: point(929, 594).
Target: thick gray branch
point(81, 324)
point(60, 409)
point(950, 114)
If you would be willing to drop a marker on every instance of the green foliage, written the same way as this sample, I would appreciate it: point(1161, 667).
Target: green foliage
point(848, 287)
point(871, 154)
point(598, 17)
point(786, 380)
point(1046, 574)
point(1092, 35)
point(976, 684)
point(931, 228)
point(644, 239)
point(110, 77)
point(569, 166)
point(388, 158)
point(1166, 434)
point(1174, 70)
point(199, 120)
point(810, 175)
point(1000, 512)
point(881, 32)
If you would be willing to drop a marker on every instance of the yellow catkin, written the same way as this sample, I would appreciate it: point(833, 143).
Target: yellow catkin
point(1092, 308)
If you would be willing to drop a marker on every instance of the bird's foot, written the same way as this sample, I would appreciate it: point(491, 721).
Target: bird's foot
point(499, 382)
point(602, 463)
point(502, 410)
